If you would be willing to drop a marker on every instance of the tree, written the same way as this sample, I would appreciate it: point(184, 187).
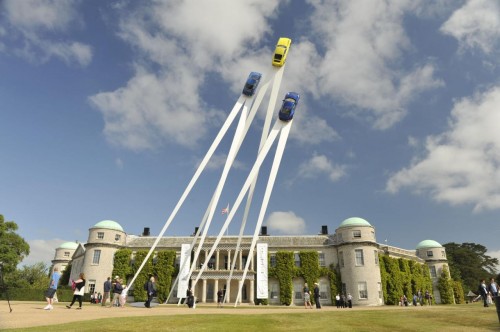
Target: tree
point(29, 277)
point(13, 248)
point(445, 287)
point(468, 262)
point(65, 275)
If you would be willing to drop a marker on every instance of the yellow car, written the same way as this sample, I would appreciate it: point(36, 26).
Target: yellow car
point(281, 51)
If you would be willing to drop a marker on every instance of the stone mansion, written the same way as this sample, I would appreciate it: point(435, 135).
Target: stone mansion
point(352, 247)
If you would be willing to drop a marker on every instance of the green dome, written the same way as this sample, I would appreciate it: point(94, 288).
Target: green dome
point(354, 221)
point(68, 245)
point(428, 244)
point(110, 224)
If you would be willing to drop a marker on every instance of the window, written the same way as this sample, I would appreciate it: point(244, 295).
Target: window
point(360, 261)
point(100, 235)
point(272, 260)
point(297, 259)
point(362, 290)
point(97, 257)
point(297, 289)
point(274, 291)
point(356, 234)
point(341, 258)
point(117, 237)
point(375, 252)
point(323, 292)
point(66, 254)
point(321, 256)
point(379, 284)
point(210, 291)
point(429, 253)
point(91, 286)
point(433, 272)
point(443, 254)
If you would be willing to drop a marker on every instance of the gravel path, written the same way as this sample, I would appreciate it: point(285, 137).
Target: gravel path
point(28, 314)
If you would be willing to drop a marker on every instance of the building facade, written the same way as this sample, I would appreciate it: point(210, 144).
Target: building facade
point(352, 249)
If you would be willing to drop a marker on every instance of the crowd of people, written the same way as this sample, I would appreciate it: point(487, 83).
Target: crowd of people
point(120, 294)
point(487, 291)
point(117, 288)
point(343, 301)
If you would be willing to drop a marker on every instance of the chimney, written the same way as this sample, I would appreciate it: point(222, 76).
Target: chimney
point(324, 230)
point(195, 230)
point(263, 231)
point(146, 231)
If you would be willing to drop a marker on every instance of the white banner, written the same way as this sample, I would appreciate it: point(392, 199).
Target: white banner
point(185, 264)
point(262, 289)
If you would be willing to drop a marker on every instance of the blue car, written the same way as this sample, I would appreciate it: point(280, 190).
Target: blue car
point(252, 83)
point(288, 108)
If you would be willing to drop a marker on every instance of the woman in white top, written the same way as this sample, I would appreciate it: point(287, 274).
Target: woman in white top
point(78, 292)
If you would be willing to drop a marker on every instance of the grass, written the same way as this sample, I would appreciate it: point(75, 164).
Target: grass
point(436, 318)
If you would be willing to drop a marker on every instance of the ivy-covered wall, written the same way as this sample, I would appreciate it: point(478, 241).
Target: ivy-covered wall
point(285, 271)
point(401, 276)
point(163, 268)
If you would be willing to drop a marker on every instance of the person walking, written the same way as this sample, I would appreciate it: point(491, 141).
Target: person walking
point(117, 290)
point(220, 298)
point(123, 296)
point(483, 291)
point(349, 300)
point(190, 298)
point(307, 297)
point(51, 291)
point(317, 296)
point(107, 289)
point(150, 289)
point(493, 287)
point(78, 292)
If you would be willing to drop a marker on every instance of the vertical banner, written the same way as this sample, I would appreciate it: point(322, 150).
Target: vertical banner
point(185, 264)
point(262, 292)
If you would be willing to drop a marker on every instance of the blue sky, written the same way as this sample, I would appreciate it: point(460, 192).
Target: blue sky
point(108, 107)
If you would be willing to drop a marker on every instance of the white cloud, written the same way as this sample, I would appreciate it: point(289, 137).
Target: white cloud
point(494, 254)
point(286, 223)
point(475, 24)
point(166, 106)
point(153, 108)
point(462, 165)
point(41, 25)
point(219, 160)
point(319, 165)
point(42, 251)
point(364, 43)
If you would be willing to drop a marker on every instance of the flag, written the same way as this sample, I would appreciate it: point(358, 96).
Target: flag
point(225, 210)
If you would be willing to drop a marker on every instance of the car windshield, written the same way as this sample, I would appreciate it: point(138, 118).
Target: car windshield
point(278, 57)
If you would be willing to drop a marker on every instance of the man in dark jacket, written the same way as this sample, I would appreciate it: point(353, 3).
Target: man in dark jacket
point(150, 289)
point(117, 290)
point(483, 291)
point(317, 296)
point(107, 290)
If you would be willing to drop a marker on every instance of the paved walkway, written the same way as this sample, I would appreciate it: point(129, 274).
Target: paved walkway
point(29, 314)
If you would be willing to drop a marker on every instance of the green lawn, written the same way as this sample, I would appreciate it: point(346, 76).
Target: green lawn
point(437, 318)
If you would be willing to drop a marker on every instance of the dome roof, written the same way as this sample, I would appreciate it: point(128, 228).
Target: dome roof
point(354, 221)
point(68, 245)
point(110, 224)
point(428, 244)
